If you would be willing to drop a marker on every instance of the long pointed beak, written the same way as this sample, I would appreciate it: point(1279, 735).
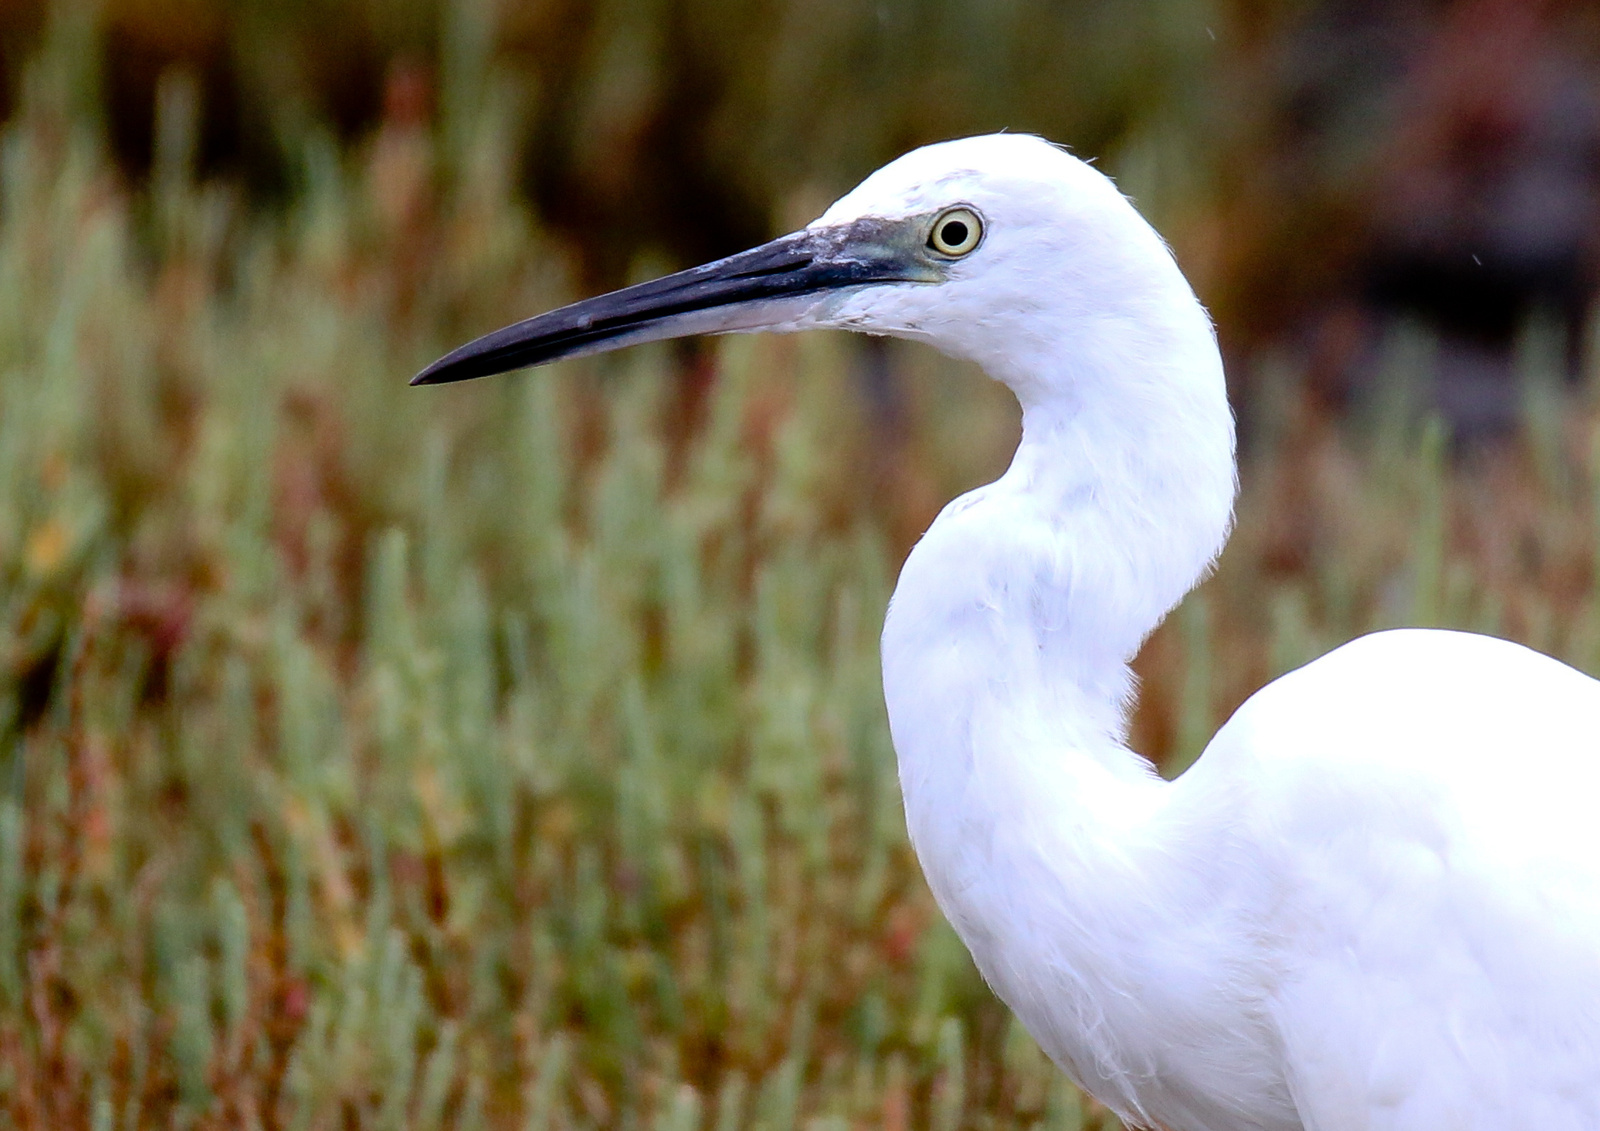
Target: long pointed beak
point(771, 286)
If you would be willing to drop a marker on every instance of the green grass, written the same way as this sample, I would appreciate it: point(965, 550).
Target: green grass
point(512, 755)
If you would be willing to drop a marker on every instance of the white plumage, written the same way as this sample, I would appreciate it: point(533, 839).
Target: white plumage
point(1374, 901)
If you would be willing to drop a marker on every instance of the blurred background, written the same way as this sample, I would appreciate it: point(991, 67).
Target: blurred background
point(512, 754)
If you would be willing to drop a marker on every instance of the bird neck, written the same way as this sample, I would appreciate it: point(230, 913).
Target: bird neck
point(1006, 653)
point(1037, 590)
point(1028, 598)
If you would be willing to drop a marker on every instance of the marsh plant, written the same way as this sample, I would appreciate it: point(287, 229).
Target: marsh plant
point(512, 755)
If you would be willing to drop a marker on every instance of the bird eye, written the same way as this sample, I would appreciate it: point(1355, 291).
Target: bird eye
point(956, 231)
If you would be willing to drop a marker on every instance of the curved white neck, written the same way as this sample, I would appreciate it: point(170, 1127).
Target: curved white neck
point(1005, 659)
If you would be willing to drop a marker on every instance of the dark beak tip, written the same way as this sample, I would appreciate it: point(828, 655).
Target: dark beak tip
point(439, 373)
point(800, 264)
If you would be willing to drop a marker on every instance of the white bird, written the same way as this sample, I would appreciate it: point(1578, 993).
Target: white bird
point(1374, 901)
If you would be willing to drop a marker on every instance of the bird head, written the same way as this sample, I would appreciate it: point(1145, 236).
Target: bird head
point(989, 248)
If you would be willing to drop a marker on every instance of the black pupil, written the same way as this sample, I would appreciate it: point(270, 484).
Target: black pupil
point(955, 233)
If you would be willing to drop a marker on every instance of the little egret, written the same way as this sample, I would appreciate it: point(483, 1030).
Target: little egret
point(1374, 902)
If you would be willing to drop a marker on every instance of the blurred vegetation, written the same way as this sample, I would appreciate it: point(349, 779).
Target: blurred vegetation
point(512, 755)
point(692, 128)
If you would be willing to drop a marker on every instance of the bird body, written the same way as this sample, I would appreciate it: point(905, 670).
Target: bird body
point(1422, 801)
point(1374, 901)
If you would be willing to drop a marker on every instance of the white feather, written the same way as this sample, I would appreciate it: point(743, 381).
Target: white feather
point(1374, 902)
